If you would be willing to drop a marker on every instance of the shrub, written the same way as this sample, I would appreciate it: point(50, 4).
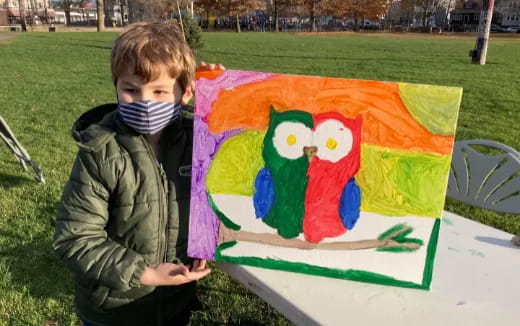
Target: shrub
point(193, 33)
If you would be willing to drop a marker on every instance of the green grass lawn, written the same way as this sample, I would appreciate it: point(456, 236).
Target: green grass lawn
point(48, 79)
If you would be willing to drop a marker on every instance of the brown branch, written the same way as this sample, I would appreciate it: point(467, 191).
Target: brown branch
point(226, 235)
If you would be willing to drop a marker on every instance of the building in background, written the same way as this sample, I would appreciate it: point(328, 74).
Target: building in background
point(36, 12)
point(419, 13)
point(466, 16)
point(510, 11)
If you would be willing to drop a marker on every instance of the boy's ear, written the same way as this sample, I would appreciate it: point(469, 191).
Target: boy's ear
point(188, 94)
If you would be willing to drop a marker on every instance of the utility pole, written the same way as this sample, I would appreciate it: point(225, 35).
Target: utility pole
point(100, 15)
point(478, 56)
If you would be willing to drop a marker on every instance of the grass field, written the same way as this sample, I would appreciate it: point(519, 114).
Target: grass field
point(48, 79)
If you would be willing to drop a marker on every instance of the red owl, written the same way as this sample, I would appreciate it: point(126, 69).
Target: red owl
point(332, 198)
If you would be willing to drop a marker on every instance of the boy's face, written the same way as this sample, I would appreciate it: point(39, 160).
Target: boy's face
point(130, 88)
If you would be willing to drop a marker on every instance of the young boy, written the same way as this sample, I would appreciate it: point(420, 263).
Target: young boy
point(123, 221)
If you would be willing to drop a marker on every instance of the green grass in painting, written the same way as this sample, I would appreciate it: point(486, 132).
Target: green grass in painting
point(399, 237)
point(351, 274)
point(48, 79)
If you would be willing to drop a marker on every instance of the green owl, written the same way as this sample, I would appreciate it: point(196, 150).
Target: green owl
point(280, 186)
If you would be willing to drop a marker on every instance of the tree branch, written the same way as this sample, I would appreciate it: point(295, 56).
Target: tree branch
point(226, 235)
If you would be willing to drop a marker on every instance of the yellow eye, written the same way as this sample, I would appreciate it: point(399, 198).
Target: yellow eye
point(291, 139)
point(331, 143)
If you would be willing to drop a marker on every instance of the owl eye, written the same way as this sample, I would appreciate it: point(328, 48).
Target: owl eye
point(290, 138)
point(333, 140)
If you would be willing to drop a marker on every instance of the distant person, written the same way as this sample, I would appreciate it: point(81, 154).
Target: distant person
point(122, 224)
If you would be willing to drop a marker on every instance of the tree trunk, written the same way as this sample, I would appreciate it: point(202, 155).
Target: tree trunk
point(122, 9)
point(46, 12)
point(238, 23)
point(276, 15)
point(100, 15)
point(33, 12)
point(21, 8)
point(67, 16)
point(313, 20)
point(446, 22)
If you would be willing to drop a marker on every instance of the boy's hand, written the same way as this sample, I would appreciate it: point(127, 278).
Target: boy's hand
point(173, 274)
point(211, 66)
point(190, 90)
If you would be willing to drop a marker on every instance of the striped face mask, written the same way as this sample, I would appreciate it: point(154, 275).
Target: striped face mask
point(149, 117)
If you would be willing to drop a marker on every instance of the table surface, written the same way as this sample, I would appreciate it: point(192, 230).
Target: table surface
point(476, 281)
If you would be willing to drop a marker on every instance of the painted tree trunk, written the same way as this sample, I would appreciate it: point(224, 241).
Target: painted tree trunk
point(226, 234)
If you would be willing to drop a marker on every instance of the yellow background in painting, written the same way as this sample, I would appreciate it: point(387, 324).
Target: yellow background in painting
point(392, 182)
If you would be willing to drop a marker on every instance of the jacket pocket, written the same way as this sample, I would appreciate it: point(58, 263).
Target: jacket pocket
point(99, 295)
point(116, 298)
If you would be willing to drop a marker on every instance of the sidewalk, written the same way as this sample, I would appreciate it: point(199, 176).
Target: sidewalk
point(6, 36)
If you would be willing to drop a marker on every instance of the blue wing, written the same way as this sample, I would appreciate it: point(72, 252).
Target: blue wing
point(349, 204)
point(264, 192)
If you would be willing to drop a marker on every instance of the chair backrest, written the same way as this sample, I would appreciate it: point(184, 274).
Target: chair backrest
point(487, 181)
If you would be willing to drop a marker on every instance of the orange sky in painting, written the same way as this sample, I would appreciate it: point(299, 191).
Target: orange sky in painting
point(386, 121)
point(207, 73)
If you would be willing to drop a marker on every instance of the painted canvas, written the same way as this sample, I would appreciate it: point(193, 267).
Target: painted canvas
point(334, 177)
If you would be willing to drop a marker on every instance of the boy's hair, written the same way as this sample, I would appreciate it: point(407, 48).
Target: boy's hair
point(144, 49)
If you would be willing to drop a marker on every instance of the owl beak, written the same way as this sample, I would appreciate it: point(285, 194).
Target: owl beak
point(310, 151)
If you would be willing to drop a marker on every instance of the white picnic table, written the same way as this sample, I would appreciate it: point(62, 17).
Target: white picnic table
point(476, 281)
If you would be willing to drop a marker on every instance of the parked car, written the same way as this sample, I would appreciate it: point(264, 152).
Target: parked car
point(512, 29)
point(496, 29)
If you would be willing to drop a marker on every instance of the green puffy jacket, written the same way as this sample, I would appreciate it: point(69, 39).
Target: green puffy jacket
point(121, 211)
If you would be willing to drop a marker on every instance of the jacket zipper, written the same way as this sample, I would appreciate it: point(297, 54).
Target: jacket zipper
point(160, 186)
point(166, 192)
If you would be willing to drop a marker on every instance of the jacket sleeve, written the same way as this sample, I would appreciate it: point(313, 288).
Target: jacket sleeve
point(80, 238)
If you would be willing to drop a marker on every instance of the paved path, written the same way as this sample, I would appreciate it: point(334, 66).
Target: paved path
point(6, 36)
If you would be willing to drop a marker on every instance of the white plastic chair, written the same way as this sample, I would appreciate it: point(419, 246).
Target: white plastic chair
point(490, 181)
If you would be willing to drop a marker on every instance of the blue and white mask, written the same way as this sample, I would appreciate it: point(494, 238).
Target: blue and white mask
point(149, 117)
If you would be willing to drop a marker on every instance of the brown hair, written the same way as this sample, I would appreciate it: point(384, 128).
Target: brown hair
point(145, 49)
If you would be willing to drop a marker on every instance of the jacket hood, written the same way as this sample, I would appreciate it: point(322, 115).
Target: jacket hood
point(96, 127)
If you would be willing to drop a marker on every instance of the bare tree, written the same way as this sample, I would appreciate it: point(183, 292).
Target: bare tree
point(276, 6)
point(237, 8)
point(21, 8)
point(100, 15)
point(357, 9)
point(122, 10)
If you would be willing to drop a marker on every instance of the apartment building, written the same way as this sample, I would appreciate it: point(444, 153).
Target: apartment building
point(35, 11)
point(510, 12)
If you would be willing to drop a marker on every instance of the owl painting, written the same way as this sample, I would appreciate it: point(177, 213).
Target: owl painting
point(308, 179)
point(334, 177)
